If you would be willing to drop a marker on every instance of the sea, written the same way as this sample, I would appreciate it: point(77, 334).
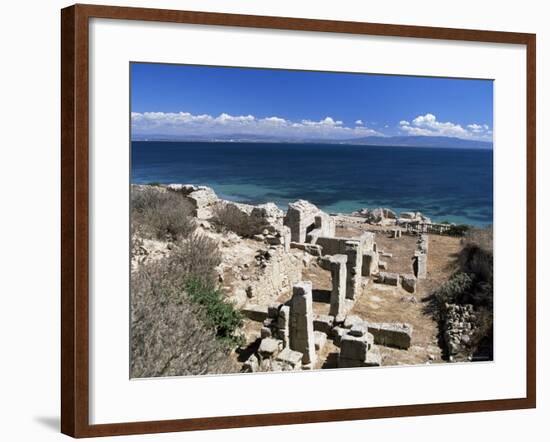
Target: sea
point(454, 185)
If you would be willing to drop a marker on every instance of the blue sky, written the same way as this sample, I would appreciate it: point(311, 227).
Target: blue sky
point(181, 100)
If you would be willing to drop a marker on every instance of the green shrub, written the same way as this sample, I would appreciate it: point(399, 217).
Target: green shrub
point(453, 290)
point(219, 314)
point(160, 214)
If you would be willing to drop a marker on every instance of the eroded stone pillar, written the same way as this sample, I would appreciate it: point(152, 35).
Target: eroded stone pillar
point(283, 324)
point(302, 337)
point(338, 272)
point(420, 265)
point(354, 268)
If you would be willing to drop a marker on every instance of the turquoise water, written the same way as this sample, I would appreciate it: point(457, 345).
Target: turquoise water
point(446, 184)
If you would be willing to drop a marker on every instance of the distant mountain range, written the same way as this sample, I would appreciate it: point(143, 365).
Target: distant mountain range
point(396, 141)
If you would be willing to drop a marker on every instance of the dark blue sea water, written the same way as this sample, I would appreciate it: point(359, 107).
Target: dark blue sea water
point(445, 184)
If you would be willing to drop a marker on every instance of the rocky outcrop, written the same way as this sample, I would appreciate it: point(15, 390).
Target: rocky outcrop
point(391, 334)
point(379, 216)
point(407, 217)
point(459, 328)
point(248, 220)
point(201, 200)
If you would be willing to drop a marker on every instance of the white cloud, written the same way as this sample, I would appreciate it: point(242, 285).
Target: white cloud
point(429, 125)
point(359, 122)
point(185, 123)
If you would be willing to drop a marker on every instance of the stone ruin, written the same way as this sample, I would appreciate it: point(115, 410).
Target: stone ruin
point(410, 222)
point(292, 334)
point(459, 332)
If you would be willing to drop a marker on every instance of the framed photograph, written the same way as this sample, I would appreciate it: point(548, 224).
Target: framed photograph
point(272, 221)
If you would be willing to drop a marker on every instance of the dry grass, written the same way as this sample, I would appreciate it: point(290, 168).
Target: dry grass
point(169, 336)
point(159, 214)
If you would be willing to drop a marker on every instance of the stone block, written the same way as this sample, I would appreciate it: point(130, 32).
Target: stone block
point(387, 278)
point(370, 263)
point(265, 332)
point(353, 347)
point(251, 365)
point(273, 311)
point(338, 272)
point(420, 265)
point(255, 312)
point(408, 282)
point(354, 268)
point(359, 329)
point(320, 340)
point(374, 358)
point(312, 249)
point(269, 348)
point(337, 333)
point(367, 241)
point(351, 320)
point(300, 217)
point(323, 323)
point(291, 358)
point(397, 335)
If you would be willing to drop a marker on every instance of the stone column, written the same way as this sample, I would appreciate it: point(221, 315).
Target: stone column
point(283, 324)
point(301, 322)
point(338, 272)
point(420, 265)
point(370, 263)
point(354, 267)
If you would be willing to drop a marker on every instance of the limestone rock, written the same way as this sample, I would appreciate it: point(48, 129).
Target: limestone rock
point(397, 335)
point(323, 323)
point(320, 340)
point(291, 358)
point(301, 322)
point(387, 278)
point(408, 282)
point(303, 217)
point(269, 348)
point(255, 312)
point(251, 365)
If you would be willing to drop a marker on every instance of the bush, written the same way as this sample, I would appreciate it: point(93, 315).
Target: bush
point(472, 283)
point(169, 336)
point(228, 217)
point(483, 238)
point(181, 323)
point(453, 291)
point(458, 230)
point(219, 314)
point(196, 259)
point(160, 214)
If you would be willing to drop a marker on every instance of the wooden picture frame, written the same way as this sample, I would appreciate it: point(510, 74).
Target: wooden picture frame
point(75, 219)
